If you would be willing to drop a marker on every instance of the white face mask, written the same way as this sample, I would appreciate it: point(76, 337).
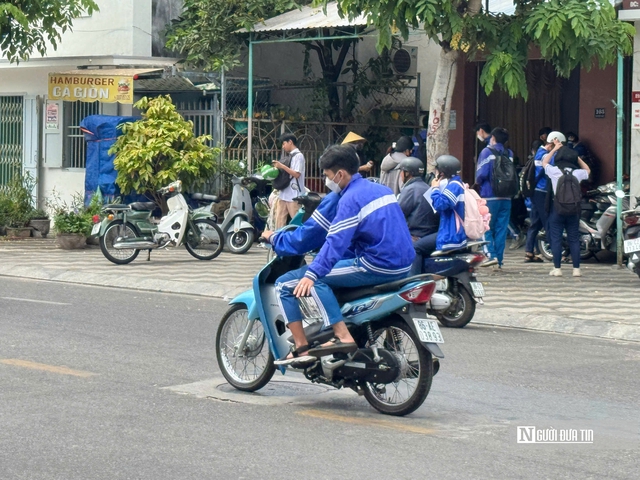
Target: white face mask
point(332, 185)
point(480, 138)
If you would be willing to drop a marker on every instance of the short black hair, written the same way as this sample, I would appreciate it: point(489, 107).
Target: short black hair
point(574, 135)
point(483, 126)
point(544, 131)
point(340, 157)
point(500, 134)
point(535, 145)
point(286, 137)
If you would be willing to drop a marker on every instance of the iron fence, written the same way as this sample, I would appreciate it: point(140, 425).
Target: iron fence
point(11, 137)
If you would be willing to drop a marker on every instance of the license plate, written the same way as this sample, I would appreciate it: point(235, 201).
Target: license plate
point(96, 229)
point(478, 289)
point(632, 245)
point(428, 330)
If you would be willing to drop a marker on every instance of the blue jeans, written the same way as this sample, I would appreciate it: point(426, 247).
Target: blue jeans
point(497, 235)
point(539, 220)
point(570, 223)
point(345, 273)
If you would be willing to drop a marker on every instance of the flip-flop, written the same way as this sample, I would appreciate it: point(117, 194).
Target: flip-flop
point(335, 346)
point(532, 259)
point(296, 357)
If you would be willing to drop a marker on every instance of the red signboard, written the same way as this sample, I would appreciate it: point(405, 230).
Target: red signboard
point(631, 4)
point(635, 97)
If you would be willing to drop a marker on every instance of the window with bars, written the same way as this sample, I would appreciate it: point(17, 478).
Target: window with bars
point(75, 148)
point(11, 118)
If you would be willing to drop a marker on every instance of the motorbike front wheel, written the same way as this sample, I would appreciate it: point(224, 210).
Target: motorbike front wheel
point(412, 386)
point(118, 229)
point(252, 368)
point(461, 311)
point(240, 242)
point(207, 242)
point(545, 250)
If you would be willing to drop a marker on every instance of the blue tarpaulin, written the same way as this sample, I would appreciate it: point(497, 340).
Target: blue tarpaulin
point(100, 132)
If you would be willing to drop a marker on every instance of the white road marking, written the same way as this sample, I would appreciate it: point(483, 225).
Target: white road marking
point(33, 301)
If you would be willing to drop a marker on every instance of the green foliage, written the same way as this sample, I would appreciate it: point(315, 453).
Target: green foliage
point(16, 201)
point(160, 149)
point(206, 31)
point(569, 33)
point(28, 26)
point(70, 217)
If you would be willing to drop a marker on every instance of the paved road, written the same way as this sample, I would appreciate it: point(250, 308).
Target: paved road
point(601, 303)
point(105, 383)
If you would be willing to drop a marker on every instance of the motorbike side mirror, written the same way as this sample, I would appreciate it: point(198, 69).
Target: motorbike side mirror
point(620, 194)
point(241, 164)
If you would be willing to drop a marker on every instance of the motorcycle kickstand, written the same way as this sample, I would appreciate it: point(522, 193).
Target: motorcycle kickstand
point(149, 255)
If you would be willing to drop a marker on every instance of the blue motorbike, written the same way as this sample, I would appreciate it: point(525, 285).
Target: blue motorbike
point(394, 364)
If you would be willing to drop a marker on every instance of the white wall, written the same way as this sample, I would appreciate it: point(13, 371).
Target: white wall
point(121, 27)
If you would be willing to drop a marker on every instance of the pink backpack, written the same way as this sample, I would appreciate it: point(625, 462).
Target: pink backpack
point(476, 214)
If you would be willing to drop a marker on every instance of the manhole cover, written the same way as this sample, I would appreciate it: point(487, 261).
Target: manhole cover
point(281, 389)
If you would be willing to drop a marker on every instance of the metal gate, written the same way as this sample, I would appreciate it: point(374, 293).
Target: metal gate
point(11, 137)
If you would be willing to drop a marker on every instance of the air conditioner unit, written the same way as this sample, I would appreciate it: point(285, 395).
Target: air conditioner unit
point(404, 61)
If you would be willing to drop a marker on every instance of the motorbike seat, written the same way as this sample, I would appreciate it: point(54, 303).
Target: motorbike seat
point(310, 201)
point(116, 206)
point(142, 206)
point(344, 295)
point(202, 197)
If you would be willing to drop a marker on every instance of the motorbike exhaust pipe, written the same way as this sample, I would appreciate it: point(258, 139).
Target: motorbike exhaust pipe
point(138, 245)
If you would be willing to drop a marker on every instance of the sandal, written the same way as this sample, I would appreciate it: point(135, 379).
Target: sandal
point(531, 258)
point(335, 345)
point(296, 356)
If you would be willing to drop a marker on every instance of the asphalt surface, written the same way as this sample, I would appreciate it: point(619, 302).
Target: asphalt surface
point(90, 382)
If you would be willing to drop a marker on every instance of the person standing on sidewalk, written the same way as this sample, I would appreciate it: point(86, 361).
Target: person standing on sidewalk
point(499, 207)
point(390, 167)
point(539, 215)
point(291, 174)
point(483, 133)
point(567, 162)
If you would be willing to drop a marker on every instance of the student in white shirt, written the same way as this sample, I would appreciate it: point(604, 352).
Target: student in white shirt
point(565, 159)
point(294, 167)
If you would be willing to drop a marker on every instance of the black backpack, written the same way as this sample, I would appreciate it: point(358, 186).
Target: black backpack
point(504, 177)
point(568, 195)
point(283, 179)
point(529, 179)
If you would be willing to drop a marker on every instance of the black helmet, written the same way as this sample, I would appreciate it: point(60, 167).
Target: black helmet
point(448, 165)
point(412, 166)
point(403, 144)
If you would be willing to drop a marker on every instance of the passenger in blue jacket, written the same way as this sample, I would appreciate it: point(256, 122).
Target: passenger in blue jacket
point(309, 236)
point(368, 243)
point(499, 207)
point(447, 198)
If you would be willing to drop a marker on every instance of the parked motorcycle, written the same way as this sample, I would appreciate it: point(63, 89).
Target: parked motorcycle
point(127, 229)
point(236, 225)
point(597, 228)
point(631, 233)
point(393, 367)
point(454, 303)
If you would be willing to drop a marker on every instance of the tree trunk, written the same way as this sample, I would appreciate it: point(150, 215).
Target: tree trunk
point(440, 106)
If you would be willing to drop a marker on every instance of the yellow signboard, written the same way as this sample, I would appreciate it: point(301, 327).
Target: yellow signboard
point(91, 88)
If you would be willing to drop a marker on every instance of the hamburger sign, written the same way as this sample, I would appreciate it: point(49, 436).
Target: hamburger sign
point(91, 87)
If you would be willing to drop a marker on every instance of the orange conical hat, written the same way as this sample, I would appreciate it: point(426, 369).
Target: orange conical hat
point(352, 138)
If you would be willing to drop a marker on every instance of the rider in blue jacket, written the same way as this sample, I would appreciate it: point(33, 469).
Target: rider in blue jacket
point(368, 243)
point(447, 198)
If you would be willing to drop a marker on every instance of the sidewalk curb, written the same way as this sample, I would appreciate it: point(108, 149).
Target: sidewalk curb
point(485, 316)
point(563, 325)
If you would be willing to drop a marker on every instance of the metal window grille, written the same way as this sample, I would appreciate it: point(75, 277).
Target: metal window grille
point(75, 148)
point(11, 136)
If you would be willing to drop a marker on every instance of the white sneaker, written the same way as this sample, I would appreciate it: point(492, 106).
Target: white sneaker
point(556, 272)
point(489, 262)
point(576, 272)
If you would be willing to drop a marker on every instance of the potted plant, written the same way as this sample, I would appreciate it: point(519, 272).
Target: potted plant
point(17, 201)
point(5, 206)
point(71, 222)
point(40, 223)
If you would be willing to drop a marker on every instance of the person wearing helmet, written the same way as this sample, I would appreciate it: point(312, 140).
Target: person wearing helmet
point(357, 142)
point(447, 198)
point(421, 218)
point(390, 173)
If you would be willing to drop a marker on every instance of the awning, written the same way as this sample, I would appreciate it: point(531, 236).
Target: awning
point(308, 18)
point(105, 85)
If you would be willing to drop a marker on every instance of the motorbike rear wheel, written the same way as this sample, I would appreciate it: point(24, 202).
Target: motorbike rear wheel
point(461, 311)
point(545, 249)
point(240, 242)
point(207, 242)
point(114, 230)
point(251, 369)
point(412, 386)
